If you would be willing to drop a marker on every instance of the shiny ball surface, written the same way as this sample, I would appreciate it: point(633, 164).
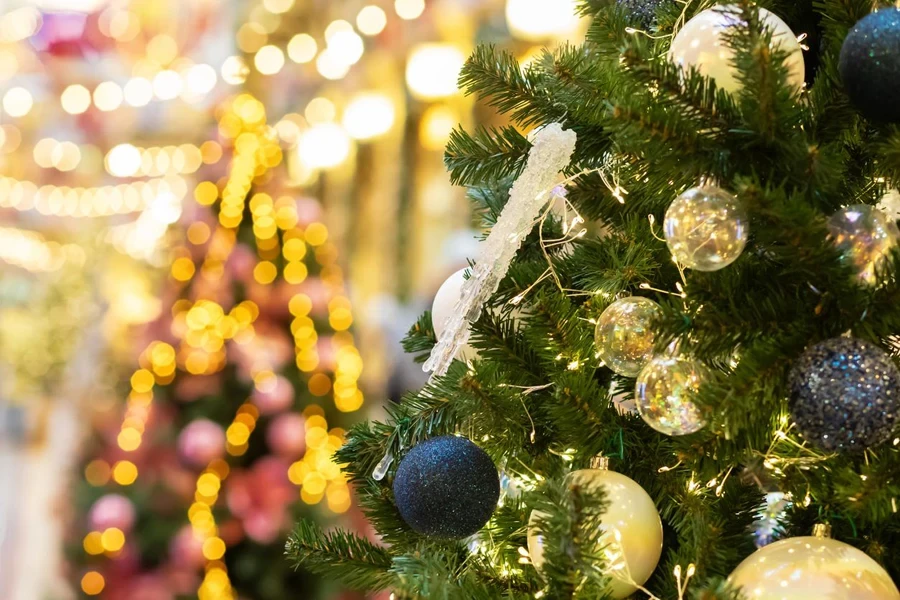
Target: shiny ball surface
point(624, 337)
point(701, 44)
point(845, 394)
point(812, 568)
point(706, 228)
point(632, 530)
point(870, 65)
point(865, 236)
point(664, 395)
point(446, 487)
point(444, 306)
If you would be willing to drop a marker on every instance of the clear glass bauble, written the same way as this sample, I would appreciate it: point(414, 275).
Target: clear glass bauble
point(701, 44)
point(632, 530)
point(806, 568)
point(706, 228)
point(864, 235)
point(623, 337)
point(664, 394)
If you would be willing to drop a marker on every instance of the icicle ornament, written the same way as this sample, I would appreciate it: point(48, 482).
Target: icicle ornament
point(550, 153)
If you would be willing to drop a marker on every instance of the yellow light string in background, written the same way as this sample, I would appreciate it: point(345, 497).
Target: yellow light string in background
point(32, 252)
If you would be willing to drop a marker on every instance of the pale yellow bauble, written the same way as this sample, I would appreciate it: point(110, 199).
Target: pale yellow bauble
point(444, 306)
point(700, 44)
point(631, 513)
point(812, 568)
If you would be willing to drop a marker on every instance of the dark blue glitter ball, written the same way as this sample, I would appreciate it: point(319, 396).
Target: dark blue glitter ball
point(641, 12)
point(845, 394)
point(446, 487)
point(870, 65)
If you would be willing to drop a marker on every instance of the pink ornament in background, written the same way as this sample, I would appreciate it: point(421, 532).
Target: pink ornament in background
point(201, 442)
point(260, 497)
point(242, 262)
point(309, 210)
point(286, 436)
point(152, 586)
point(327, 354)
point(276, 395)
point(193, 387)
point(318, 292)
point(186, 549)
point(112, 510)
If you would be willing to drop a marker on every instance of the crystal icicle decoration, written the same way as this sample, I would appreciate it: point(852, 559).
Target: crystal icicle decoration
point(550, 153)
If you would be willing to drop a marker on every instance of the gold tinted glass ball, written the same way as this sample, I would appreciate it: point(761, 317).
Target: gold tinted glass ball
point(865, 236)
point(812, 568)
point(623, 335)
point(706, 228)
point(664, 394)
point(701, 44)
point(632, 530)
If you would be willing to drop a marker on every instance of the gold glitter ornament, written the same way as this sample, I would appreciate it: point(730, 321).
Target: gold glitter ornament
point(632, 530)
point(623, 335)
point(664, 394)
point(813, 567)
point(706, 228)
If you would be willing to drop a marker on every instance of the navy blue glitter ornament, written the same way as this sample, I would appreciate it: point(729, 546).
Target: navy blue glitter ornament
point(446, 487)
point(845, 394)
point(641, 12)
point(870, 65)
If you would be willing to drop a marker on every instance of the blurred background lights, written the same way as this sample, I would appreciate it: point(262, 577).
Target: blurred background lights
point(302, 48)
point(138, 92)
point(17, 102)
point(330, 66)
point(234, 70)
point(536, 20)
point(433, 70)
point(269, 60)
point(336, 27)
point(436, 125)
point(413, 9)
point(200, 79)
point(108, 96)
point(167, 85)
point(368, 116)
point(324, 146)
point(83, 6)
point(278, 6)
point(371, 20)
point(346, 46)
point(320, 110)
point(75, 99)
point(123, 160)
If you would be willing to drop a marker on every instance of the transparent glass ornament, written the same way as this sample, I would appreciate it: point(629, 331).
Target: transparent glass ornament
point(706, 228)
point(865, 235)
point(664, 394)
point(624, 337)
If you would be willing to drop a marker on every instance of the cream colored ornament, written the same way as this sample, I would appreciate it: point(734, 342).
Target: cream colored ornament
point(443, 307)
point(701, 44)
point(813, 568)
point(632, 530)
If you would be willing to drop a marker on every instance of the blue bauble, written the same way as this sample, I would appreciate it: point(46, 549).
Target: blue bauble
point(641, 12)
point(845, 394)
point(446, 487)
point(870, 65)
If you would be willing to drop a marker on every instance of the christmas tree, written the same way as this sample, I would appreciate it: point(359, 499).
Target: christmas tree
point(701, 313)
point(240, 398)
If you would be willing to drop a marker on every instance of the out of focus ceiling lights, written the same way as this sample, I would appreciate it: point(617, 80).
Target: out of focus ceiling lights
point(433, 70)
point(536, 20)
point(368, 116)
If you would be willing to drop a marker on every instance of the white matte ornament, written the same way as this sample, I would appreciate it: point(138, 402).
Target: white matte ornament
point(632, 530)
point(442, 309)
point(701, 44)
point(813, 568)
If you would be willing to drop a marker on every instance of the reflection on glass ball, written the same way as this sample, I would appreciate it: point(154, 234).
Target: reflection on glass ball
point(706, 228)
point(701, 44)
point(865, 236)
point(623, 335)
point(632, 537)
point(664, 394)
point(802, 568)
